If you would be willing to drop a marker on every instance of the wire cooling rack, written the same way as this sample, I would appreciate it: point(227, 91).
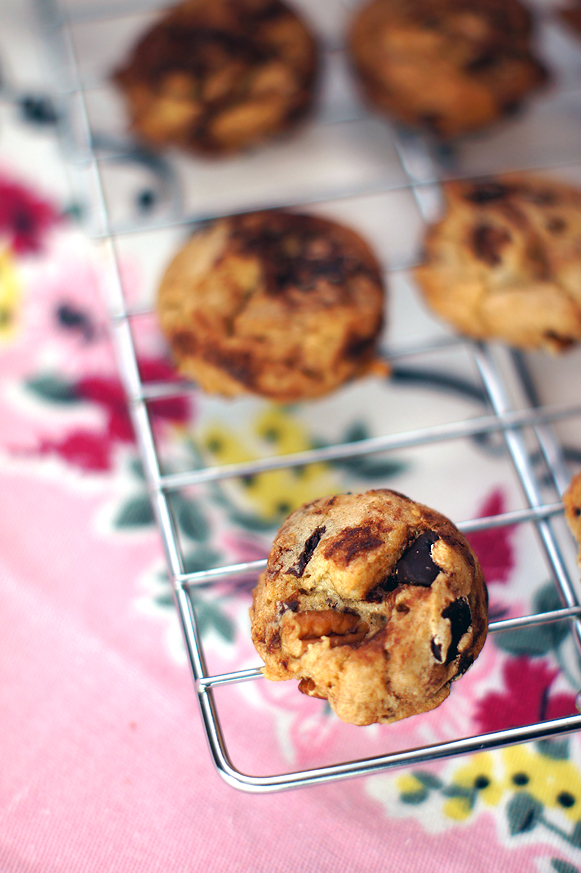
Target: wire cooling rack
point(522, 410)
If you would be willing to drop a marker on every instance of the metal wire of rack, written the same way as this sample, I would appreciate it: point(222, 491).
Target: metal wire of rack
point(526, 429)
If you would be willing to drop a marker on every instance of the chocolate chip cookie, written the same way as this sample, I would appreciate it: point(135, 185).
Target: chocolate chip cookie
point(372, 601)
point(505, 261)
point(572, 502)
point(447, 66)
point(281, 304)
point(571, 16)
point(219, 76)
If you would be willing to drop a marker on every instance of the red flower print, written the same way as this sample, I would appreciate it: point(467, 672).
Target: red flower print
point(525, 698)
point(109, 393)
point(493, 548)
point(24, 217)
point(90, 451)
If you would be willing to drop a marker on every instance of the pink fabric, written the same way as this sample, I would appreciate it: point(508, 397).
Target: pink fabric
point(104, 763)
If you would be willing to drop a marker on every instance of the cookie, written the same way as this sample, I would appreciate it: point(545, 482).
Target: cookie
point(571, 16)
point(449, 67)
point(572, 503)
point(372, 601)
point(220, 76)
point(280, 304)
point(505, 262)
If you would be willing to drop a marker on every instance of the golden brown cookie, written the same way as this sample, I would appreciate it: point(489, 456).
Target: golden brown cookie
point(371, 601)
point(572, 502)
point(571, 16)
point(447, 66)
point(218, 76)
point(505, 261)
point(275, 303)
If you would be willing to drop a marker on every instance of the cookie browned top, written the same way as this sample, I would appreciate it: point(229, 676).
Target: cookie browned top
point(275, 303)
point(572, 502)
point(449, 66)
point(505, 261)
point(373, 601)
point(217, 76)
point(571, 15)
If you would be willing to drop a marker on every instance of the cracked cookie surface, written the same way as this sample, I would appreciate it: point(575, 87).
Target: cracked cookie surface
point(447, 66)
point(505, 261)
point(372, 601)
point(285, 305)
point(219, 76)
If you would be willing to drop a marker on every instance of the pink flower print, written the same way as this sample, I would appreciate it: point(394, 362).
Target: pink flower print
point(24, 217)
point(525, 698)
point(493, 548)
point(81, 448)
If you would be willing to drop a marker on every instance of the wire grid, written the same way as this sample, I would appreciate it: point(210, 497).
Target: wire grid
point(517, 425)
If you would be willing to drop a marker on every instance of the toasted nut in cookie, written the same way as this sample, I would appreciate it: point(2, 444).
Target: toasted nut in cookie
point(219, 76)
point(284, 305)
point(504, 263)
point(572, 502)
point(447, 66)
point(373, 602)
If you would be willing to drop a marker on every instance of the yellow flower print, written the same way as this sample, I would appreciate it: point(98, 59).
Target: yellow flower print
point(409, 784)
point(458, 808)
point(554, 782)
point(9, 296)
point(274, 493)
point(478, 775)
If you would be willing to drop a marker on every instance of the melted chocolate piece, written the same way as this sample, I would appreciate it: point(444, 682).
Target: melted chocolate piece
point(436, 650)
point(347, 545)
point(460, 617)
point(484, 61)
point(486, 192)
point(307, 553)
point(380, 592)
point(416, 567)
point(556, 225)
point(297, 251)
point(487, 243)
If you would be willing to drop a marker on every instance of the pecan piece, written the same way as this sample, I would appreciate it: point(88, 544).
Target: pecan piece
point(342, 628)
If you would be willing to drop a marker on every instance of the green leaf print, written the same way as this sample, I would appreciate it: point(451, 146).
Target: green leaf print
point(190, 518)
point(136, 512)
point(414, 797)
point(558, 749)
point(523, 813)
point(52, 388)
point(540, 640)
point(563, 866)
point(211, 617)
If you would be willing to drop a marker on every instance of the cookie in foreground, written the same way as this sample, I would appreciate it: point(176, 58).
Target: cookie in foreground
point(504, 263)
point(220, 76)
point(572, 503)
point(448, 67)
point(284, 305)
point(372, 601)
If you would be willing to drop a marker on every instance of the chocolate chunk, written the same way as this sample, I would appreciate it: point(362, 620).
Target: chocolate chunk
point(416, 567)
point(484, 61)
point(436, 650)
point(432, 121)
point(556, 225)
point(307, 553)
point(460, 617)
point(380, 592)
point(487, 242)
point(487, 191)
